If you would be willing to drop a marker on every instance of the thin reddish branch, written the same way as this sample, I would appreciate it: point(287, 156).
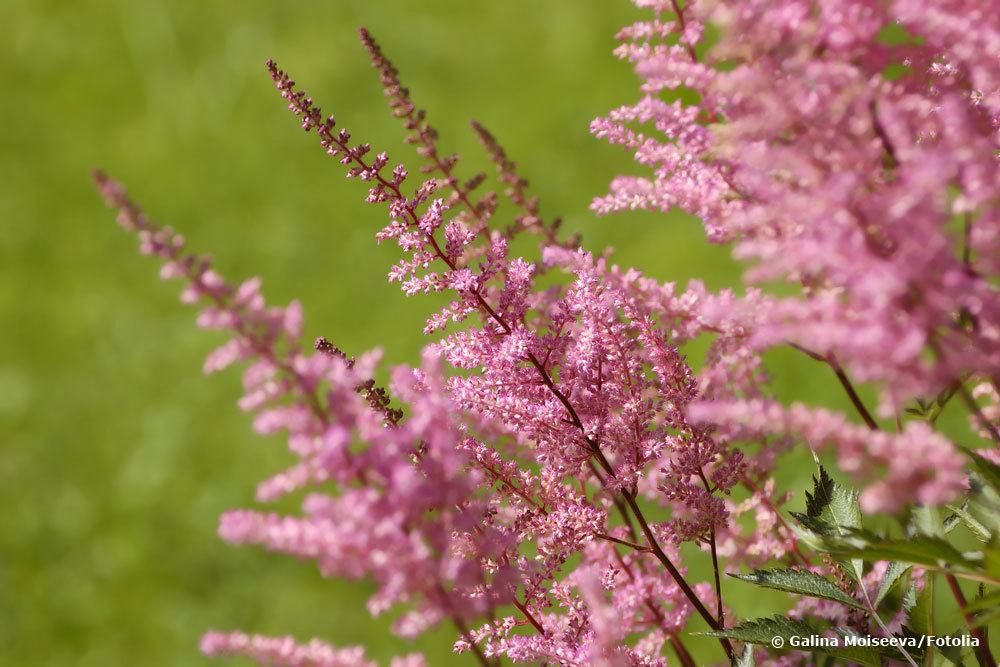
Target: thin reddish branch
point(683, 655)
point(626, 543)
point(719, 614)
point(845, 382)
point(683, 28)
point(856, 401)
point(531, 619)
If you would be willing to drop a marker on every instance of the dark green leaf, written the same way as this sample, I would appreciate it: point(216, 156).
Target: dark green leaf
point(833, 510)
point(802, 582)
point(763, 631)
point(920, 550)
point(832, 503)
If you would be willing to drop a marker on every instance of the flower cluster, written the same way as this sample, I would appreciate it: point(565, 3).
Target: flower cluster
point(850, 152)
point(533, 480)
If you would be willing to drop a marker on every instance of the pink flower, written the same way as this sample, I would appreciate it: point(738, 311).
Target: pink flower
point(533, 480)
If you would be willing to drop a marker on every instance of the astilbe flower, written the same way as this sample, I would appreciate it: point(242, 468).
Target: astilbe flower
point(873, 190)
point(508, 485)
point(405, 525)
point(621, 388)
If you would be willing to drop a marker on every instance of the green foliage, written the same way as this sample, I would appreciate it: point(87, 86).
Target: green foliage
point(926, 550)
point(832, 511)
point(800, 582)
point(764, 631)
point(894, 575)
point(920, 618)
point(832, 526)
point(118, 456)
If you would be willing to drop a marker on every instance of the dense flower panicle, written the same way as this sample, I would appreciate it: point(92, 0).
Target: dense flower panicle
point(621, 389)
point(508, 484)
point(405, 506)
point(853, 191)
point(875, 193)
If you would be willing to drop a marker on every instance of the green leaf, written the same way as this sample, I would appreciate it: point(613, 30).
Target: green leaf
point(831, 503)
point(889, 580)
point(924, 521)
point(802, 582)
point(765, 631)
point(979, 531)
point(920, 550)
point(833, 510)
point(746, 659)
point(954, 655)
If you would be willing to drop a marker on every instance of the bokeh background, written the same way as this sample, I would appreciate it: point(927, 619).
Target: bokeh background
point(116, 455)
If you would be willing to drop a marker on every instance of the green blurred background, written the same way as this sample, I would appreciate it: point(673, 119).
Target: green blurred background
point(117, 456)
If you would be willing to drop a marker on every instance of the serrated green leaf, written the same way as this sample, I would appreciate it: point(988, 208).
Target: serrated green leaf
point(892, 576)
point(746, 659)
point(833, 503)
point(908, 599)
point(805, 534)
point(763, 631)
point(833, 510)
point(978, 530)
point(802, 582)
